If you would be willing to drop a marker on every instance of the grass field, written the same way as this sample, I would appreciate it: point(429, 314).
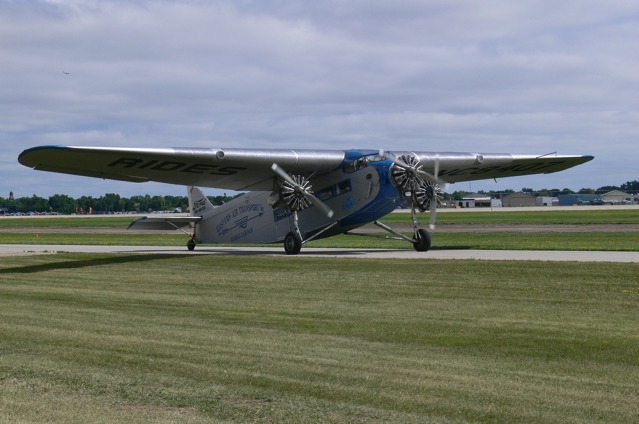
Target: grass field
point(580, 239)
point(152, 338)
point(579, 216)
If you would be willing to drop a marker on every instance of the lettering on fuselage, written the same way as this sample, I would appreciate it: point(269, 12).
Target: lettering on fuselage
point(498, 169)
point(242, 234)
point(175, 166)
point(239, 219)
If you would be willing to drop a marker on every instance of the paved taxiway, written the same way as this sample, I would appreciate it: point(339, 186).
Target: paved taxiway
point(500, 255)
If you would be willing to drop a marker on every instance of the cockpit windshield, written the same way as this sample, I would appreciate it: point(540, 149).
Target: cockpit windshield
point(362, 162)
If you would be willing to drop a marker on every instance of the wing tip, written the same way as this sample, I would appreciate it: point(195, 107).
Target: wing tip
point(24, 156)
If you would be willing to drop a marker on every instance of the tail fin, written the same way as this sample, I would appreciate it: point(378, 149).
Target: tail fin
point(199, 204)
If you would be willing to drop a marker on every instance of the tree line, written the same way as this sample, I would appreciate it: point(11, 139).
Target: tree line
point(114, 203)
point(106, 204)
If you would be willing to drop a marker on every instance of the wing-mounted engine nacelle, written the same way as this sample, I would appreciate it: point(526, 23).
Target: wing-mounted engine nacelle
point(414, 183)
point(296, 194)
point(293, 195)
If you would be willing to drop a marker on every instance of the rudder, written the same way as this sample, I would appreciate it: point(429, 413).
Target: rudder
point(199, 204)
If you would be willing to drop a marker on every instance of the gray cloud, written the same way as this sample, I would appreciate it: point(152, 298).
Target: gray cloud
point(496, 76)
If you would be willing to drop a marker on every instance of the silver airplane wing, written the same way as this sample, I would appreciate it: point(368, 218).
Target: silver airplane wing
point(250, 169)
point(234, 169)
point(457, 167)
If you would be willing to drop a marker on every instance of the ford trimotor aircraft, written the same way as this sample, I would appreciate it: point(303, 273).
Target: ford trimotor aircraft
point(293, 196)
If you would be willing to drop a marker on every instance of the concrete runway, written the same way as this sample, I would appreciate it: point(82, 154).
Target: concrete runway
point(488, 255)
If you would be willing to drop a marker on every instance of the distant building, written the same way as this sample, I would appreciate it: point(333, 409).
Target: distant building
point(518, 199)
point(617, 197)
point(475, 200)
point(466, 203)
point(546, 201)
point(578, 199)
point(447, 203)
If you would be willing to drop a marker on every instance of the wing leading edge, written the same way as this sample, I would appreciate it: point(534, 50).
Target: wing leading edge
point(234, 169)
point(250, 169)
point(458, 167)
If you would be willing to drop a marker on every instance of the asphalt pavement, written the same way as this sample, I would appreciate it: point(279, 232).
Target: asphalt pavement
point(487, 255)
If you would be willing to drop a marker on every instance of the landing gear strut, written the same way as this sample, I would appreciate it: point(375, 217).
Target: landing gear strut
point(422, 189)
point(295, 193)
point(421, 238)
point(293, 241)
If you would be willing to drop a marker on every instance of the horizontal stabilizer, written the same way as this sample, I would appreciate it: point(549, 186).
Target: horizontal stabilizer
point(163, 223)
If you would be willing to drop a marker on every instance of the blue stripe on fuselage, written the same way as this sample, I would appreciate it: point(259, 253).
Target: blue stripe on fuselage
point(386, 201)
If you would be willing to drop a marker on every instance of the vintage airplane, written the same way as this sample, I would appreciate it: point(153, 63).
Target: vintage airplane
point(292, 196)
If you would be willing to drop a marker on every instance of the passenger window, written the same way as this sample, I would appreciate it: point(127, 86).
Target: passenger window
point(343, 187)
point(325, 193)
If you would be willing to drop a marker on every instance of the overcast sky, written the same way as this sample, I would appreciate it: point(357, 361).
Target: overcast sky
point(447, 75)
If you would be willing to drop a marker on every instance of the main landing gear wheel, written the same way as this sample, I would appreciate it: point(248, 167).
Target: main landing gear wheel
point(292, 243)
point(421, 241)
point(190, 244)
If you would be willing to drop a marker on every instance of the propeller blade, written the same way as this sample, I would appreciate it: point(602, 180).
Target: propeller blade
point(314, 200)
point(391, 157)
point(433, 211)
point(433, 177)
point(433, 200)
point(279, 171)
point(416, 169)
point(323, 206)
point(397, 161)
point(429, 177)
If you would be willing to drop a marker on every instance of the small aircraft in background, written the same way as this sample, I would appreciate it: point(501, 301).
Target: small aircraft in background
point(293, 196)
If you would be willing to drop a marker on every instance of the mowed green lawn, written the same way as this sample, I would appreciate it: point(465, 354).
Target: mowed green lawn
point(31, 231)
point(148, 338)
point(556, 215)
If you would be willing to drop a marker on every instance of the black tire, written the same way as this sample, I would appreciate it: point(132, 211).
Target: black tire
point(190, 244)
point(292, 243)
point(422, 241)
